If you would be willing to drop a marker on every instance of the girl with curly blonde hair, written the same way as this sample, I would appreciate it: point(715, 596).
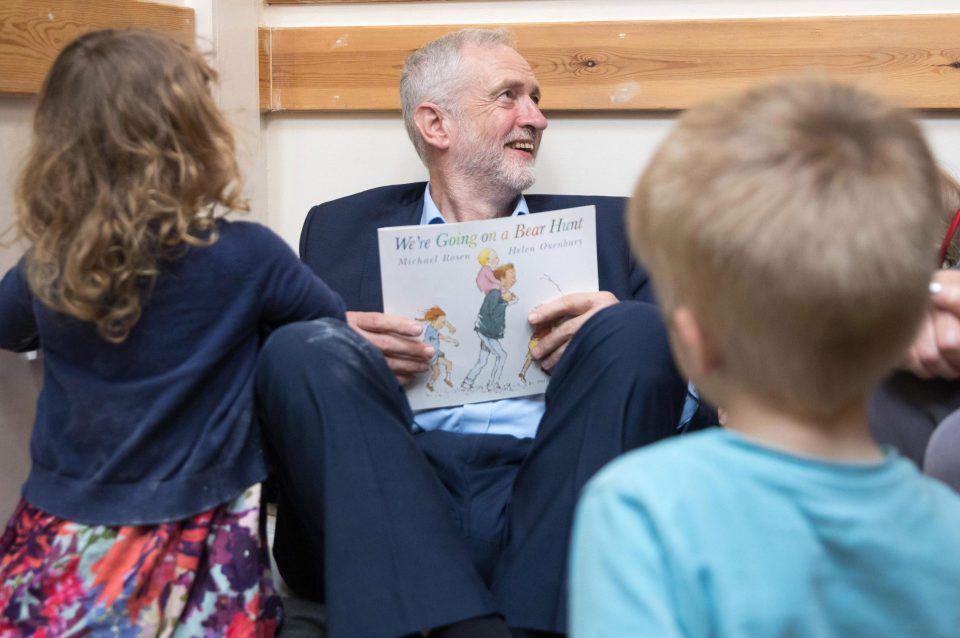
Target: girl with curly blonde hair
point(141, 512)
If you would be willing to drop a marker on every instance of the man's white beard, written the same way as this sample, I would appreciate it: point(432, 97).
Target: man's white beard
point(480, 159)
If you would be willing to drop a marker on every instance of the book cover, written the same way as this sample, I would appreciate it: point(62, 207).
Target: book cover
point(472, 285)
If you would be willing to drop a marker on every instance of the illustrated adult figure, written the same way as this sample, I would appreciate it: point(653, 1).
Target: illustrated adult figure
point(491, 326)
point(454, 520)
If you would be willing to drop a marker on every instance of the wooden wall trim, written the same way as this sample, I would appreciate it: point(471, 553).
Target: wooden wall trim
point(629, 66)
point(344, 1)
point(33, 32)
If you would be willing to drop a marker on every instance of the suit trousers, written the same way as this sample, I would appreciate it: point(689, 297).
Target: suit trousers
point(399, 532)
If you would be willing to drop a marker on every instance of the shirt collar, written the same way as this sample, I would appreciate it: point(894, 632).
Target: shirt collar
point(431, 214)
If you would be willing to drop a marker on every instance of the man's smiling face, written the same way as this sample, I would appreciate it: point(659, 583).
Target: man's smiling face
point(497, 133)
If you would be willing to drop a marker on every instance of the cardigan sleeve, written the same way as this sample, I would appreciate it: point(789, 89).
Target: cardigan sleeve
point(18, 326)
point(289, 290)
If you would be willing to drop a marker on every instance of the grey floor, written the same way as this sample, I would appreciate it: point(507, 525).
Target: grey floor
point(302, 619)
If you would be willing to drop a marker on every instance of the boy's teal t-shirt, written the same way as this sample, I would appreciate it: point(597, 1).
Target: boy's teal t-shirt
point(712, 535)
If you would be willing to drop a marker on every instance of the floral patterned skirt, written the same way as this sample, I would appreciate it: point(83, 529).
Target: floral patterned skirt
point(207, 575)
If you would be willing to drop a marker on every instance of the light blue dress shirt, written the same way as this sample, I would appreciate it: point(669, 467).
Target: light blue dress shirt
point(516, 417)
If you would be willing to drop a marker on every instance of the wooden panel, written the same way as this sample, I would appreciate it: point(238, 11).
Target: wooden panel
point(344, 1)
point(264, 57)
point(617, 66)
point(33, 32)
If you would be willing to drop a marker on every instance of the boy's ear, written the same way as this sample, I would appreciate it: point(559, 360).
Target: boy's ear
point(432, 123)
point(695, 350)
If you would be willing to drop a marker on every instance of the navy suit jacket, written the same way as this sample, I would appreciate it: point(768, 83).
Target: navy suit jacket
point(339, 241)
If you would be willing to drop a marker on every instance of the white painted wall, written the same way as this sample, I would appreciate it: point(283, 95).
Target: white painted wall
point(19, 379)
point(227, 29)
point(312, 158)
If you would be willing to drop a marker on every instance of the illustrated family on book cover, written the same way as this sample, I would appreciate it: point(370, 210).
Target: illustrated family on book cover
point(472, 285)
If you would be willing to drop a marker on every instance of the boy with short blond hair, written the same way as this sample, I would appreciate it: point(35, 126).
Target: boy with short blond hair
point(787, 232)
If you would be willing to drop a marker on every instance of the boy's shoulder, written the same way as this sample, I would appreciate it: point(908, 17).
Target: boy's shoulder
point(716, 468)
point(663, 455)
point(670, 472)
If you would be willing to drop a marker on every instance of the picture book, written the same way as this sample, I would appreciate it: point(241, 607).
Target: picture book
point(472, 285)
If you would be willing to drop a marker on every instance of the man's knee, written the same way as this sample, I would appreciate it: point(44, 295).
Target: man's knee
point(310, 347)
point(627, 329)
point(314, 365)
point(319, 334)
point(628, 314)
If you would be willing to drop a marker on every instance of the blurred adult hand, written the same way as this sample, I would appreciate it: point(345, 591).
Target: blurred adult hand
point(936, 350)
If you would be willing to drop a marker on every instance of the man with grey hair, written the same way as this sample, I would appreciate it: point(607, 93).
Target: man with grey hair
point(454, 520)
point(433, 82)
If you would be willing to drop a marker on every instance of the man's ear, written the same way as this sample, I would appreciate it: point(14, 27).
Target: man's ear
point(432, 123)
point(694, 348)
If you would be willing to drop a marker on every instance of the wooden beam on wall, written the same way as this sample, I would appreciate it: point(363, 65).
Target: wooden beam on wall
point(32, 33)
point(630, 66)
point(344, 1)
